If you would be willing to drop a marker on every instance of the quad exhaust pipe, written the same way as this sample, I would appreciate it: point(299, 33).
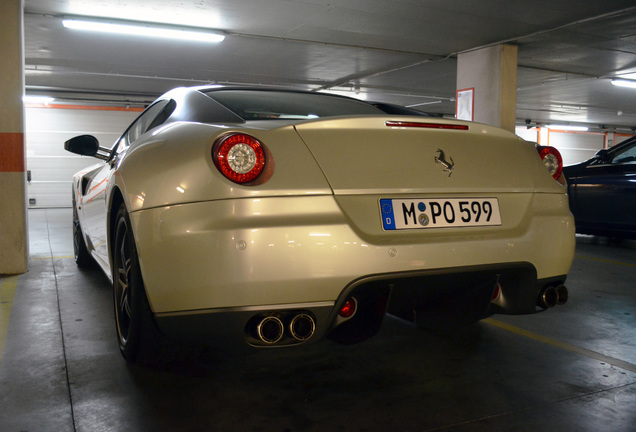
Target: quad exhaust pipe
point(302, 327)
point(551, 296)
point(271, 330)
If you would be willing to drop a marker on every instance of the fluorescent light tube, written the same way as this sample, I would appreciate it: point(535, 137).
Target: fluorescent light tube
point(569, 128)
point(142, 29)
point(624, 83)
point(38, 99)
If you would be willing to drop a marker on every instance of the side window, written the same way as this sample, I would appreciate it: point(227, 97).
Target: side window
point(163, 115)
point(626, 156)
point(152, 117)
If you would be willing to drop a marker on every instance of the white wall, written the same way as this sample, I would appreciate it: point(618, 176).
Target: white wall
point(619, 138)
point(52, 168)
point(574, 146)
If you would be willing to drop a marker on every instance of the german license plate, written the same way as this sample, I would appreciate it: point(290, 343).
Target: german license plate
point(398, 214)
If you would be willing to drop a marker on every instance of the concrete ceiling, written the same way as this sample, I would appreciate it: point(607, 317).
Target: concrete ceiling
point(398, 51)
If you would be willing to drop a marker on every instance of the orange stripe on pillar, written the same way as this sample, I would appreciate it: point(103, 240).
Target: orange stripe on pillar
point(12, 152)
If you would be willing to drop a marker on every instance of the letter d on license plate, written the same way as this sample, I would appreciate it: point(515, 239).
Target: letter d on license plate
point(439, 213)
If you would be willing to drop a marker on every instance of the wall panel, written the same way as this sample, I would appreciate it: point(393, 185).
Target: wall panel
point(50, 166)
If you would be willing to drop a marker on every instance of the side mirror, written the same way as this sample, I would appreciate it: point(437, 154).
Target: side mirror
point(603, 156)
point(86, 145)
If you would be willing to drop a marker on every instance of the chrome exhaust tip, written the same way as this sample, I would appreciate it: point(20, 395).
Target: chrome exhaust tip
point(548, 297)
point(562, 295)
point(270, 330)
point(302, 327)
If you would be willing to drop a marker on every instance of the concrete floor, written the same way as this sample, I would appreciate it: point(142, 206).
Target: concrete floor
point(572, 368)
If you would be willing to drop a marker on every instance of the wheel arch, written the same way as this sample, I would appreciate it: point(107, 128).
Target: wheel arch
point(117, 198)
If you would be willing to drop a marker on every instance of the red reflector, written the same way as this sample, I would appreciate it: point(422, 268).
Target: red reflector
point(496, 292)
point(425, 125)
point(349, 308)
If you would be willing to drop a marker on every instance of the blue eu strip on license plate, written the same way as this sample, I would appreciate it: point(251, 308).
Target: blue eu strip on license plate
point(425, 213)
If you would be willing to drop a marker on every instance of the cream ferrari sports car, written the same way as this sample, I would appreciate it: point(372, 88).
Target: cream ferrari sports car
point(280, 217)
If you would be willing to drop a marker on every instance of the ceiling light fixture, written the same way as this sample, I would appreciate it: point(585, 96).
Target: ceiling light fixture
point(143, 29)
point(624, 83)
point(569, 128)
point(45, 100)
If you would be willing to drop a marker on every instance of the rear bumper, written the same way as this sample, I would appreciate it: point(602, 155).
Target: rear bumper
point(434, 298)
point(223, 259)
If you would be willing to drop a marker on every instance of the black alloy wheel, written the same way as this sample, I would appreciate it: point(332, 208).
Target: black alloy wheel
point(137, 333)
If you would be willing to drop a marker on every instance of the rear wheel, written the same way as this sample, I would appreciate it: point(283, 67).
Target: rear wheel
point(138, 336)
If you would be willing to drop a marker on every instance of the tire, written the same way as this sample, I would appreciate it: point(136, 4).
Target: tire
point(82, 257)
point(139, 338)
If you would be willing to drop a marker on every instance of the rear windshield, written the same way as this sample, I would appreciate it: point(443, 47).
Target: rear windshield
point(282, 105)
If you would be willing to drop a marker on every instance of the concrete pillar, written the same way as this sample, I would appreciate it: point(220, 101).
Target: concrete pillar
point(14, 251)
point(492, 72)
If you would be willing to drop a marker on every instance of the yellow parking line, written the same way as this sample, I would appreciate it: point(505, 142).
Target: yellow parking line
point(7, 291)
point(605, 260)
point(565, 346)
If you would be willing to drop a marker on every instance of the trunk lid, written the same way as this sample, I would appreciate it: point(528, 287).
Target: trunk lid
point(371, 155)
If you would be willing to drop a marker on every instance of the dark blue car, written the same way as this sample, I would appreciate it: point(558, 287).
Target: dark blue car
point(602, 192)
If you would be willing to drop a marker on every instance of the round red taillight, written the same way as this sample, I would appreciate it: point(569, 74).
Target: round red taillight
point(552, 160)
point(348, 308)
point(240, 157)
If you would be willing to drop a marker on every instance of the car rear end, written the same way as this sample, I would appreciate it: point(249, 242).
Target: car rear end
point(467, 214)
point(348, 218)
